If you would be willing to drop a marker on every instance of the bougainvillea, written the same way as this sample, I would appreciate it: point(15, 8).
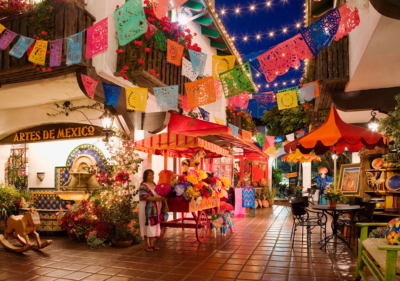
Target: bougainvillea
point(247, 122)
point(146, 43)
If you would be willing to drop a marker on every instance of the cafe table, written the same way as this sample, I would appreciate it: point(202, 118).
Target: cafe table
point(334, 213)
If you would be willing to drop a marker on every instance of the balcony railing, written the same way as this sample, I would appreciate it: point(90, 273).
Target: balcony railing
point(69, 19)
point(169, 73)
point(332, 70)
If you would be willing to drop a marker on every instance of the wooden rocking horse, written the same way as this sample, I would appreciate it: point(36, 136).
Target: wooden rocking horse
point(20, 227)
point(193, 162)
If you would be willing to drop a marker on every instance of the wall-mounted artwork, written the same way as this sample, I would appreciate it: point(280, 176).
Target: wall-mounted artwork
point(349, 179)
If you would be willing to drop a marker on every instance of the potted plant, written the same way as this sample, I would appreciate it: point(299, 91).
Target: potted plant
point(122, 238)
point(298, 191)
point(333, 196)
point(7, 195)
point(270, 195)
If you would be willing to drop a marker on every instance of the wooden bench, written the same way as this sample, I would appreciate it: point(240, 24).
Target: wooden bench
point(377, 255)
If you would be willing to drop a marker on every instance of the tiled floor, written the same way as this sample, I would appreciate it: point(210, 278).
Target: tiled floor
point(259, 249)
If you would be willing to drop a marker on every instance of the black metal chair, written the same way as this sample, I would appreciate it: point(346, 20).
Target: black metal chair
point(290, 193)
point(355, 201)
point(302, 218)
point(364, 215)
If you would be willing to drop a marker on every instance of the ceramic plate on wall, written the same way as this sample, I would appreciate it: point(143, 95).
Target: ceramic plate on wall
point(393, 182)
point(377, 163)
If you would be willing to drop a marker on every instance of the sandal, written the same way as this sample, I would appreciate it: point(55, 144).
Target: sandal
point(149, 249)
point(155, 248)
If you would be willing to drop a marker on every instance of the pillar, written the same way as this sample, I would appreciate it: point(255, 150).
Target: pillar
point(355, 158)
point(270, 163)
point(306, 166)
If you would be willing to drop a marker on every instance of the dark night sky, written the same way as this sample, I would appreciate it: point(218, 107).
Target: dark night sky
point(263, 20)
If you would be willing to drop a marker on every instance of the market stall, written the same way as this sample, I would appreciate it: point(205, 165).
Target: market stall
point(202, 194)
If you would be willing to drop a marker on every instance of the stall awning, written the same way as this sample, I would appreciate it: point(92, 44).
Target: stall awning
point(180, 124)
point(178, 146)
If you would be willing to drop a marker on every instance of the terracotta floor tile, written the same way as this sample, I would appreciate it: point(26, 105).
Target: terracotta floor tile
point(119, 278)
point(197, 278)
point(257, 262)
point(162, 268)
point(233, 267)
point(170, 262)
point(210, 265)
point(75, 266)
point(111, 271)
point(256, 269)
point(130, 272)
point(96, 277)
point(236, 261)
point(300, 278)
point(77, 275)
point(275, 277)
point(151, 275)
point(182, 270)
point(250, 276)
point(226, 274)
point(277, 270)
point(203, 272)
point(42, 271)
point(173, 277)
point(92, 268)
point(59, 273)
point(44, 278)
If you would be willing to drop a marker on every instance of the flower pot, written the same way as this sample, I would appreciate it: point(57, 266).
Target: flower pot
point(122, 244)
point(271, 202)
point(332, 204)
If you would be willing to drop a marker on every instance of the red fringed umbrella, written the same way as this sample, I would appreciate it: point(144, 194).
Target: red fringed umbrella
point(336, 135)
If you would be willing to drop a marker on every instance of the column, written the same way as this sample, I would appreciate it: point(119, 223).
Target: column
point(306, 166)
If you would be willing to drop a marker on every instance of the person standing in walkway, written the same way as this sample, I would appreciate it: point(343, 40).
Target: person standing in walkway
point(150, 206)
point(323, 182)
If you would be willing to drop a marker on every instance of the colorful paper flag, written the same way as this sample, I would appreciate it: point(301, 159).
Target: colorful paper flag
point(308, 92)
point(221, 64)
point(97, 39)
point(111, 93)
point(320, 34)
point(161, 7)
point(295, 88)
point(6, 39)
point(260, 139)
point(187, 70)
point(237, 80)
point(198, 60)
point(136, 98)
point(174, 52)
point(56, 52)
point(205, 114)
point(2, 28)
point(219, 121)
point(241, 101)
point(235, 130)
point(20, 48)
point(130, 21)
point(287, 100)
point(247, 136)
point(38, 54)
point(74, 49)
point(200, 92)
point(90, 85)
point(167, 97)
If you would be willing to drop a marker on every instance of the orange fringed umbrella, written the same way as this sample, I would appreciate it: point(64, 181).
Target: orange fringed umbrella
point(300, 157)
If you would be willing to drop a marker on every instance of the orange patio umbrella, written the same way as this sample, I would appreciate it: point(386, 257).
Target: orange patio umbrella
point(336, 135)
point(300, 157)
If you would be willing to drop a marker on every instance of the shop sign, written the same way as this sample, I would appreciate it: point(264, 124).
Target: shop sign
point(53, 132)
point(291, 175)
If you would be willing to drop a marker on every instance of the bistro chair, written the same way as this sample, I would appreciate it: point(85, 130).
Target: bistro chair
point(301, 218)
point(364, 215)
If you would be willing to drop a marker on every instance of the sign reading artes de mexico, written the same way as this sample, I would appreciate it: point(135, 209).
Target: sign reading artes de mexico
point(52, 132)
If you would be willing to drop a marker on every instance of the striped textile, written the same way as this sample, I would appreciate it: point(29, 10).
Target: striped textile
point(178, 146)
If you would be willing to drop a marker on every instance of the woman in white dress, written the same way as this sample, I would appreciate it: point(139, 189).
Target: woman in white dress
point(149, 210)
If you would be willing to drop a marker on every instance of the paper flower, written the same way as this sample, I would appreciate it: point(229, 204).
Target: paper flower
point(227, 207)
point(163, 189)
point(222, 193)
point(226, 182)
point(174, 182)
point(180, 188)
point(202, 175)
point(198, 200)
point(192, 179)
point(192, 192)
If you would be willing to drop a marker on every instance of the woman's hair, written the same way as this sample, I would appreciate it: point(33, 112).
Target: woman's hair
point(146, 174)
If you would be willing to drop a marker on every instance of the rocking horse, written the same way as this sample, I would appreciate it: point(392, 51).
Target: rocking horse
point(193, 162)
point(20, 227)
